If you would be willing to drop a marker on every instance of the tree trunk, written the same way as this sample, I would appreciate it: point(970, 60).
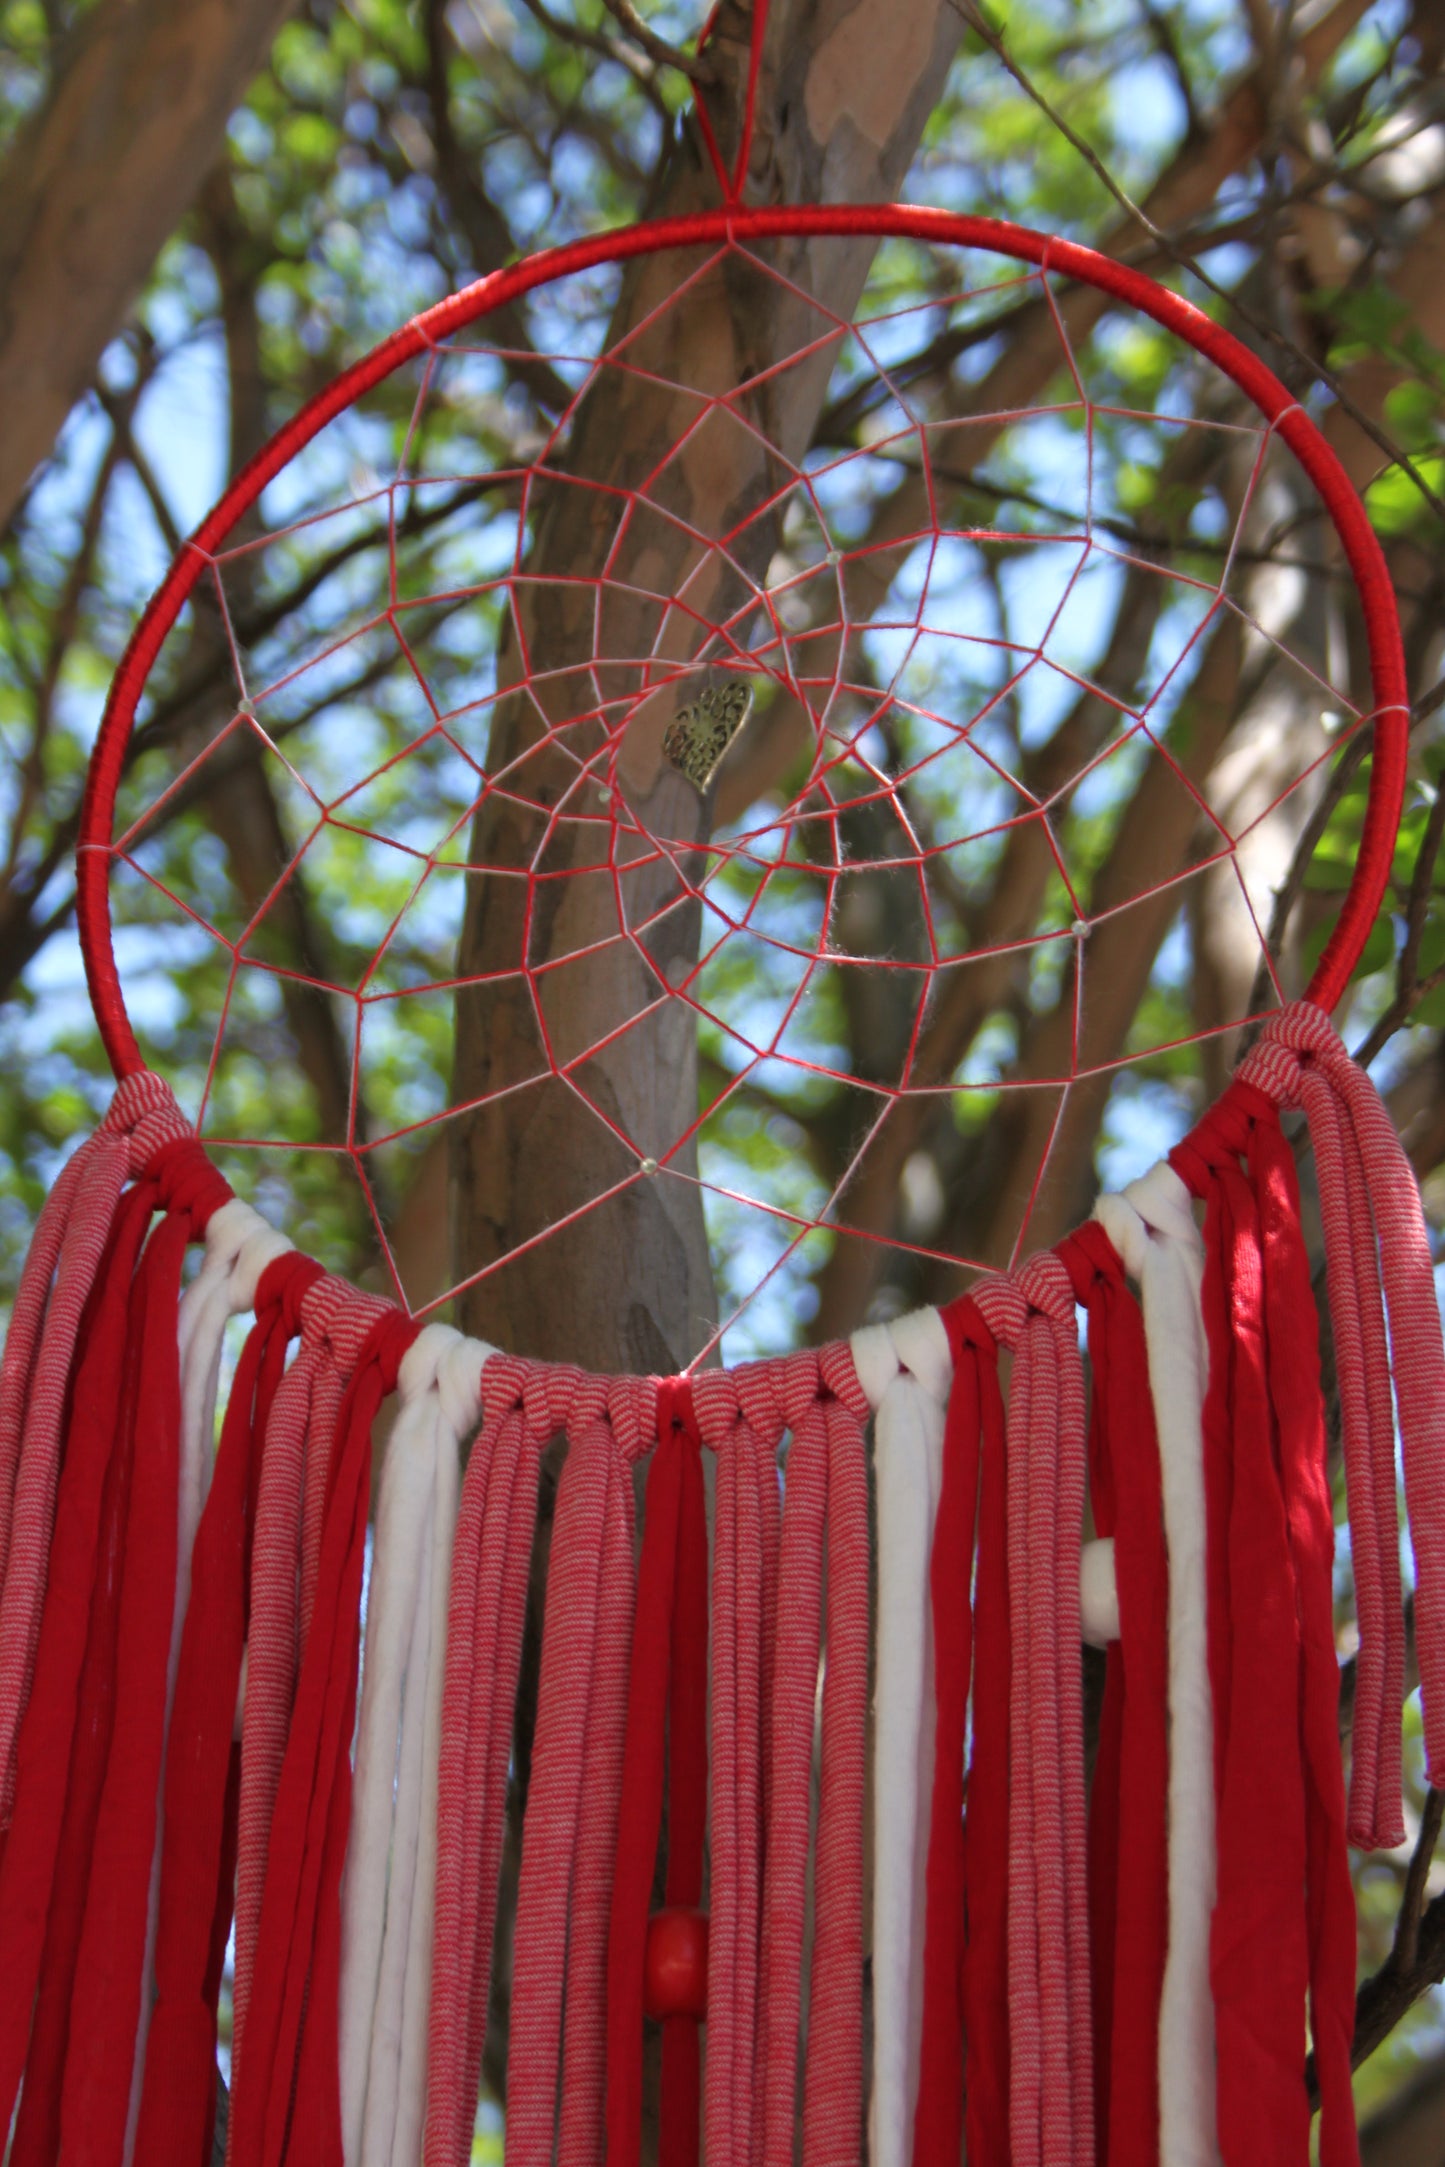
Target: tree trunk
point(844, 95)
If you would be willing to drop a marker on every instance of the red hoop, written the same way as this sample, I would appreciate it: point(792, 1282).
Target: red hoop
point(1389, 712)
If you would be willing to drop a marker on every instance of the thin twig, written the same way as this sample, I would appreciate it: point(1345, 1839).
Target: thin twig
point(119, 412)
point(692, 65)
point(592, 41)
point(1166, 40)
point(1410, 987)
point(1405, 1953)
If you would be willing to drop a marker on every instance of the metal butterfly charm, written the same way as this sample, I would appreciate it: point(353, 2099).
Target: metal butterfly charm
point(699, 735)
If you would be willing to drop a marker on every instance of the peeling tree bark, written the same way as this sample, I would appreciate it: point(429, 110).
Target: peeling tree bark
point(94, 185)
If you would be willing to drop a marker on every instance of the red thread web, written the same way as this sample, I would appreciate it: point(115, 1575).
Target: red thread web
point(982, 640)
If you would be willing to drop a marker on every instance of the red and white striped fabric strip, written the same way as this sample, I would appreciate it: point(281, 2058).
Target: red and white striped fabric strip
point(825, 1494)
point(1379, 1266)
point(581, 1709)
point(718, 1422)
point(742, 1423)
point(40, 1353)
point(833, 2073)
point(628, 1428)
point(459, 1392)
point(1051, 2079)
point(794, 1697)
point(335, 1320)
point(486, 1610)
point(1362, 1368)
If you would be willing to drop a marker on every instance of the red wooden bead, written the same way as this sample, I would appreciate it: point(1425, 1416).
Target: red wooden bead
point(675, 1974)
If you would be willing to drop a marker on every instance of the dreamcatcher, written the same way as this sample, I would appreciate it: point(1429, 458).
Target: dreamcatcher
point(666, 798)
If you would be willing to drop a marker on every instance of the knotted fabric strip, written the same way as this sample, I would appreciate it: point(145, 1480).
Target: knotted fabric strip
point(487, 1607)
point(1051, 2105)
point(825, 1496)
point(285, 2103)
point(1384, 1315)
point(1128, 1829)
point(1279, 1788)
point(905, 1370)
point(74, 1886)
point(1151, 1225)
point(42, 1344)
point(742, 1421)
point(668, 1679)
point(335, 1321)
point(177, 2108)
point(389, 1886)
point(569, 1844)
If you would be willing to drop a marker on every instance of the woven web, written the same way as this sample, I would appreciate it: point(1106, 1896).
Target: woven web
point(1038, 690)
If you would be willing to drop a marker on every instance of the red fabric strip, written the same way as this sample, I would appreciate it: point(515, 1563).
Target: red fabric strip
point(986, 1826)
point(681, 2103)
point(640, 1811)
point(1128, 1818)
point(110, 1962)
point(37, 2129)
point(1259, 1957)
point(111, 1955)
point(47, 1732)
point(741, 1421)
point(833, 2076)
point(1294, 1383)
point(40, 1361)
point(202, 1766)
point(490, 1563)
point(590, 1570)
point(794, 1689)
point(581, 2108)
point(286, 2100)
point(729, 1747)
point(938, 2117)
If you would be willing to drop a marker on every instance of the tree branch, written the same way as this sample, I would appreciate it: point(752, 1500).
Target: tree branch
point(95, 182)
point(1395, 454)
point(692, 65)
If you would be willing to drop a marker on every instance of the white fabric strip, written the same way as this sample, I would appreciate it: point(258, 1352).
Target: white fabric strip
point(459, 1386)
point(390, 1877)
point(238, 1246)
point(905, 1371)
point(1152, 1226)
